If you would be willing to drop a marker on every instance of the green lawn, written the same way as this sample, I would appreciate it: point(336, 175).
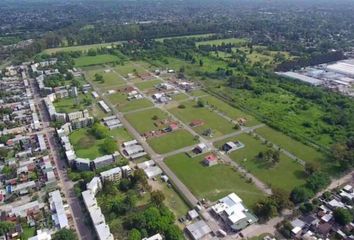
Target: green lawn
point(67, 105)
point(230, 111)
point(218, 42)
point(213, 182)
point(297, 148)
point(121, 134)
point(191, 112)
point(198, 93)
point(85, 144)
point(123, 105)
point(111, 79)
point(285, 175)
point(172, 141)
point(79, 48)
point(28, 232)
point(147, 85)
point(94, 60)
point(143, 121)
point(130, 67)
point(179, 97)
point(173, 201)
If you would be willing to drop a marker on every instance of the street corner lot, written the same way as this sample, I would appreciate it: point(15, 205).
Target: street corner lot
point(172, 141)
point(297, 148)
point(213, 182)
point(148, 85)
point(111, 79)
point(147, 120)
point(230, 111)
point(206, 118)
point(121, 102)
point(285, 175)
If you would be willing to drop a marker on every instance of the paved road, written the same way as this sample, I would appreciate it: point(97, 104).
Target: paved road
point(66, 185)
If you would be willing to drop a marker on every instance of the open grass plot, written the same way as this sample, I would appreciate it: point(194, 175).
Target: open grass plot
point(286, 174)
point(148, 85)
point(147, 120)
point(179, 97)
point(202, 119)
point(121, 135)
point(172, 141)
point(110, 80)
point(83, 48)
point(121, 102)
point(219, 42)
point(94, 60)
point(213, 182)
point(73, 104)
point(230, 111)
point(130, 67)
point(297, 148)
point(197, 93)
point(85, 144)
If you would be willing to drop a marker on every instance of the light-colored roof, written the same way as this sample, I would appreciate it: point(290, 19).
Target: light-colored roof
point(198, 229)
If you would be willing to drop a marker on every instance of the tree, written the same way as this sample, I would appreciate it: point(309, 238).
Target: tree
point(281, 199)
point(5, 227)
point(109, 146)
point(317, 181)
point(134, 234)
point(100, 131)
point(98, 77)
point(157, 197)
point(342, 216)
point(265, 209)
point(173, 233)
point(311, 168)
point(124, 184)
point(64, 234)
point(200, 103)
point(300, 194)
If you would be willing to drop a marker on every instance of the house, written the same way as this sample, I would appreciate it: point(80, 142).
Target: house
point(41, 235)
point(103, 161)
point(134, 151)
point(112, 122)
point(152, 171)
point(94, 185)
point(232, 146)
point(232, 211)
point(104, 106)
point(192, 214)
point(82, 164)
point(198, 230)
point(200, 148)
point(210, 160)
point(26, 209)
point(196, 123)
point(127, 171)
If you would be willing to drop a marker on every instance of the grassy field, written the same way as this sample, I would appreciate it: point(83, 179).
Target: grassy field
point(148, 85)
point(218, 42)
point(111, 79)
point(230, 111)
point(67, 105)
point(172, 141)
point(121, 135)
point(191, 112)
point(297, 148)
point(198, 93)
point(85, 144)
point(94, 60)
point(131, 67)
point(28, 232)
point(123, 105)
point(179, 97)
point(213, 182)
point(79, 48)
point(285, 175)
point(143, 121)
point(186, 36)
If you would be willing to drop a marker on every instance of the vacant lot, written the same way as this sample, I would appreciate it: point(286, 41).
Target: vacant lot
point(218, 42)
point(285, 175)
point(172, 141)
point(145, 121)
point(95, 60)
point(297, 148)
point(147, 85)
point(111, 80)
point(212, 182)
point(230, 111)
point(85, 144)
point(79, 48)
point(191, 112)
point(131, 67)
point(124, 105)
